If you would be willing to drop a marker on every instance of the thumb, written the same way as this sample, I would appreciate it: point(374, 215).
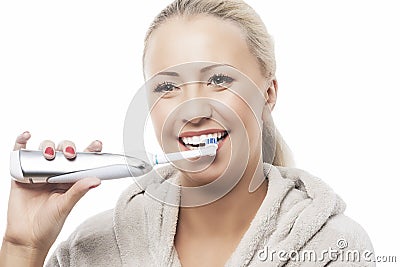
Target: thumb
point(76, 192)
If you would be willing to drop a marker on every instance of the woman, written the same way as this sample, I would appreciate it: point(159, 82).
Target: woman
point(264, 211)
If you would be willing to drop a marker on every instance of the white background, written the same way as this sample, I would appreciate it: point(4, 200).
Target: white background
point(69, 69)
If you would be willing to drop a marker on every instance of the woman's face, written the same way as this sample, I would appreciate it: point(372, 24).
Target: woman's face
point(192, 100)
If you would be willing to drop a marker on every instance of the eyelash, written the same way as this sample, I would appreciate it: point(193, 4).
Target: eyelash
point(162, 87)
point(226, 79)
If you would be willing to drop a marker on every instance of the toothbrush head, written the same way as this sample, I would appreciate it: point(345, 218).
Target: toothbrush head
point(210, 141)
point(210, 147)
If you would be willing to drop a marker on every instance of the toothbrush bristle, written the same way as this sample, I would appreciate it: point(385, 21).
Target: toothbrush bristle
point(211, 140)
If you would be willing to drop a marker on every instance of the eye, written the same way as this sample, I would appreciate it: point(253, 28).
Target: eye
point(220, 80)
point(165, 87)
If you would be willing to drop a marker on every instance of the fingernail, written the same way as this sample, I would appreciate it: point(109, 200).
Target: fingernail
point(99, 142)
point(70, 150)
point(94, 186)
point(49, 151)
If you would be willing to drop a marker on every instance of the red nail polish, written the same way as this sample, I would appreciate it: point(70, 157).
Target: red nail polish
point(49, 151)
point(94, 186)
point(70, 150)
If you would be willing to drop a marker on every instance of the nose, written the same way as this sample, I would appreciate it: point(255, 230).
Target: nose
point(197, 106)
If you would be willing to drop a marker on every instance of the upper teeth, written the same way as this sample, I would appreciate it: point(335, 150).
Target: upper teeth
point(196, 140)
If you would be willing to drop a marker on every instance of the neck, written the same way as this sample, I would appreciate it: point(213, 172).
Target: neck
point(230, 215)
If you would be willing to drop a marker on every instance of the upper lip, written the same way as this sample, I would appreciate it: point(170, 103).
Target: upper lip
point(197, 133)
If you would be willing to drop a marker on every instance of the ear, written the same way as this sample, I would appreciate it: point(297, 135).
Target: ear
point(271, 93)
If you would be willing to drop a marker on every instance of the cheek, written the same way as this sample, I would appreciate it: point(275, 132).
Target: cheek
point(248, 113)
point(159, 115)
point(163, 115)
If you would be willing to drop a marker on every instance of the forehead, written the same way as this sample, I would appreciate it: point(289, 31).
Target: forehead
point(201, 38)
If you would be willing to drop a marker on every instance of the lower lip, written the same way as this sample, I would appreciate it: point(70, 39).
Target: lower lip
point(220, 143)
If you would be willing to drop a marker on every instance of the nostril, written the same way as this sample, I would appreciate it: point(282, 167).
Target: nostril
point(195, 110)
point(196, 120)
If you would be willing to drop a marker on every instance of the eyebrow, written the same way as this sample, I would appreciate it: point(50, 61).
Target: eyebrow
point(168, 73)
point(175, 74)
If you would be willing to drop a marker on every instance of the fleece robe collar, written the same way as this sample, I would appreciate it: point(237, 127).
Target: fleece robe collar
point(159, 221)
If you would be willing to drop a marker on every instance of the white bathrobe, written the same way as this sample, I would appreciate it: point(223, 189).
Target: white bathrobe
point(299, 223)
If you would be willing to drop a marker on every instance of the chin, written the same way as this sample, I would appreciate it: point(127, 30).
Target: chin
point(211, 173)
point(201, 178)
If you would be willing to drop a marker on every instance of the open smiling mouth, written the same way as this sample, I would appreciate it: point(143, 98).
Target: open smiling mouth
point(192, 141)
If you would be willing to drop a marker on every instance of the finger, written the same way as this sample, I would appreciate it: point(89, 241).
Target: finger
point(76, 192)
point(21, 140)
point(68, 148)
point(56, 187)
point(48, 149)
point(95, 146)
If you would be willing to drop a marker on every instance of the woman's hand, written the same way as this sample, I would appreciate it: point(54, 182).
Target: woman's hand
point(37, 212)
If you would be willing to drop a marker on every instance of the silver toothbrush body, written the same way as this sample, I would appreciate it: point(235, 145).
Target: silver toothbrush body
point(30, 166)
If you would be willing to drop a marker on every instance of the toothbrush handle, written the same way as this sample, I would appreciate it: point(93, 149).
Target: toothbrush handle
point(29, 166)
point(103, 173)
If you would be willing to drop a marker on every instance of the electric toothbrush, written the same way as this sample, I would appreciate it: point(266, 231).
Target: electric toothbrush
point(29, 166)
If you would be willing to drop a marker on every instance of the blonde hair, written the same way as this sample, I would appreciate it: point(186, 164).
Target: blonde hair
point(259, 42)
